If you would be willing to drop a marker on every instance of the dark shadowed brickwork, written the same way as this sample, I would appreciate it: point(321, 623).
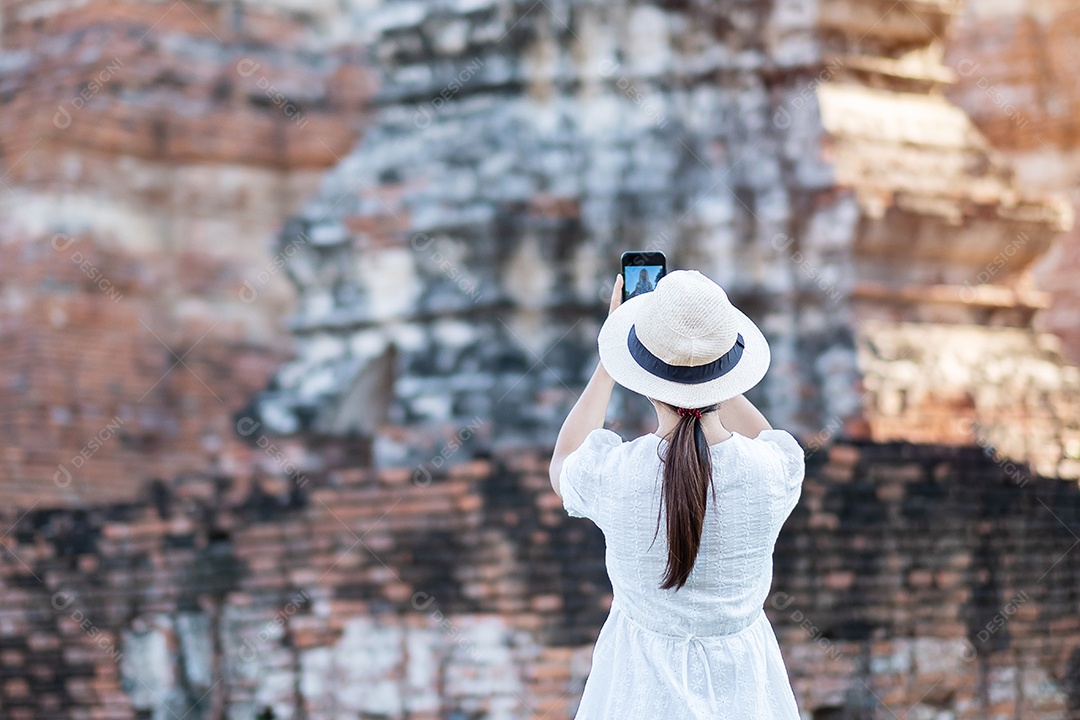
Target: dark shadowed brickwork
point(911, 579)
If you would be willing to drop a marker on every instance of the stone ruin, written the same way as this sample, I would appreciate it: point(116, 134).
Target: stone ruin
point(354, 520)
point(450, 270)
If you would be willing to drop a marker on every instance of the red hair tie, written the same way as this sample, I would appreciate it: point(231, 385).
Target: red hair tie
point(689, 411)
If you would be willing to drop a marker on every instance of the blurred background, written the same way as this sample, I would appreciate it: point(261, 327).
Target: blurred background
point(294, 297)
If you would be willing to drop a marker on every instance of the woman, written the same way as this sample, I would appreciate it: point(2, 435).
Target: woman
point(690, 513)
point(643, 286)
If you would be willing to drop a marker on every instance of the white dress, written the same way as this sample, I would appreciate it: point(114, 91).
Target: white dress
point(706, 650)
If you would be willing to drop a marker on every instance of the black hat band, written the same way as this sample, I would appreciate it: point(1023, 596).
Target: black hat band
point(686, 374)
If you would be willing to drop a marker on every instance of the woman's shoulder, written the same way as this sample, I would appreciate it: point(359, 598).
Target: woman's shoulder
point(776, 439)
point(601, 439)
point(782, 446)
point(635, 445)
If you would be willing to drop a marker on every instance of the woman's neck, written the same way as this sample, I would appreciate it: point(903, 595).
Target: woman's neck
point(710, 423)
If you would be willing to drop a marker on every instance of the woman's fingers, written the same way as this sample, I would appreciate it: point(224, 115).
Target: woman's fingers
point(616, 294)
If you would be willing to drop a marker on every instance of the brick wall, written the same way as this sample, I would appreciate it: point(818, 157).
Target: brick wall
point(1015, 75)
point(149, 152)
point(104, 384)
point(911, 580)
point(196, 563)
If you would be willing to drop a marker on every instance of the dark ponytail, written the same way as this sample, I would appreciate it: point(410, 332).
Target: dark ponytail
point(687, 481)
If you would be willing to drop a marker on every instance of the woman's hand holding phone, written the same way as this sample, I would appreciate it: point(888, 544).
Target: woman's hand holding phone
point(616, 301)
point(616, 294)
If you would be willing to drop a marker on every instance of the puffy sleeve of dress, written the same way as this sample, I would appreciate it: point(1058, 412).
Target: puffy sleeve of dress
point(792, 465)
point(581, 482)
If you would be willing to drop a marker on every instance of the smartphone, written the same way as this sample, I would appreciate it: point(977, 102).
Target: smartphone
point(641, 270)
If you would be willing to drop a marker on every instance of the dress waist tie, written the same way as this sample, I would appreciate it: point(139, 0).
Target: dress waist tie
point(695, 642)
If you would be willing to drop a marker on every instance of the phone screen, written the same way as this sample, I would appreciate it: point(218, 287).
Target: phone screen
point(641, 271)
point(639, 279)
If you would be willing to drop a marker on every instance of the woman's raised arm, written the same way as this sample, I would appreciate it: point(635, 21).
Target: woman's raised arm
point(590, 409)
point(739, 415)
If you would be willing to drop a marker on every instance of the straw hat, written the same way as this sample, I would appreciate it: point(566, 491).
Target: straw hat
point(684, 343)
